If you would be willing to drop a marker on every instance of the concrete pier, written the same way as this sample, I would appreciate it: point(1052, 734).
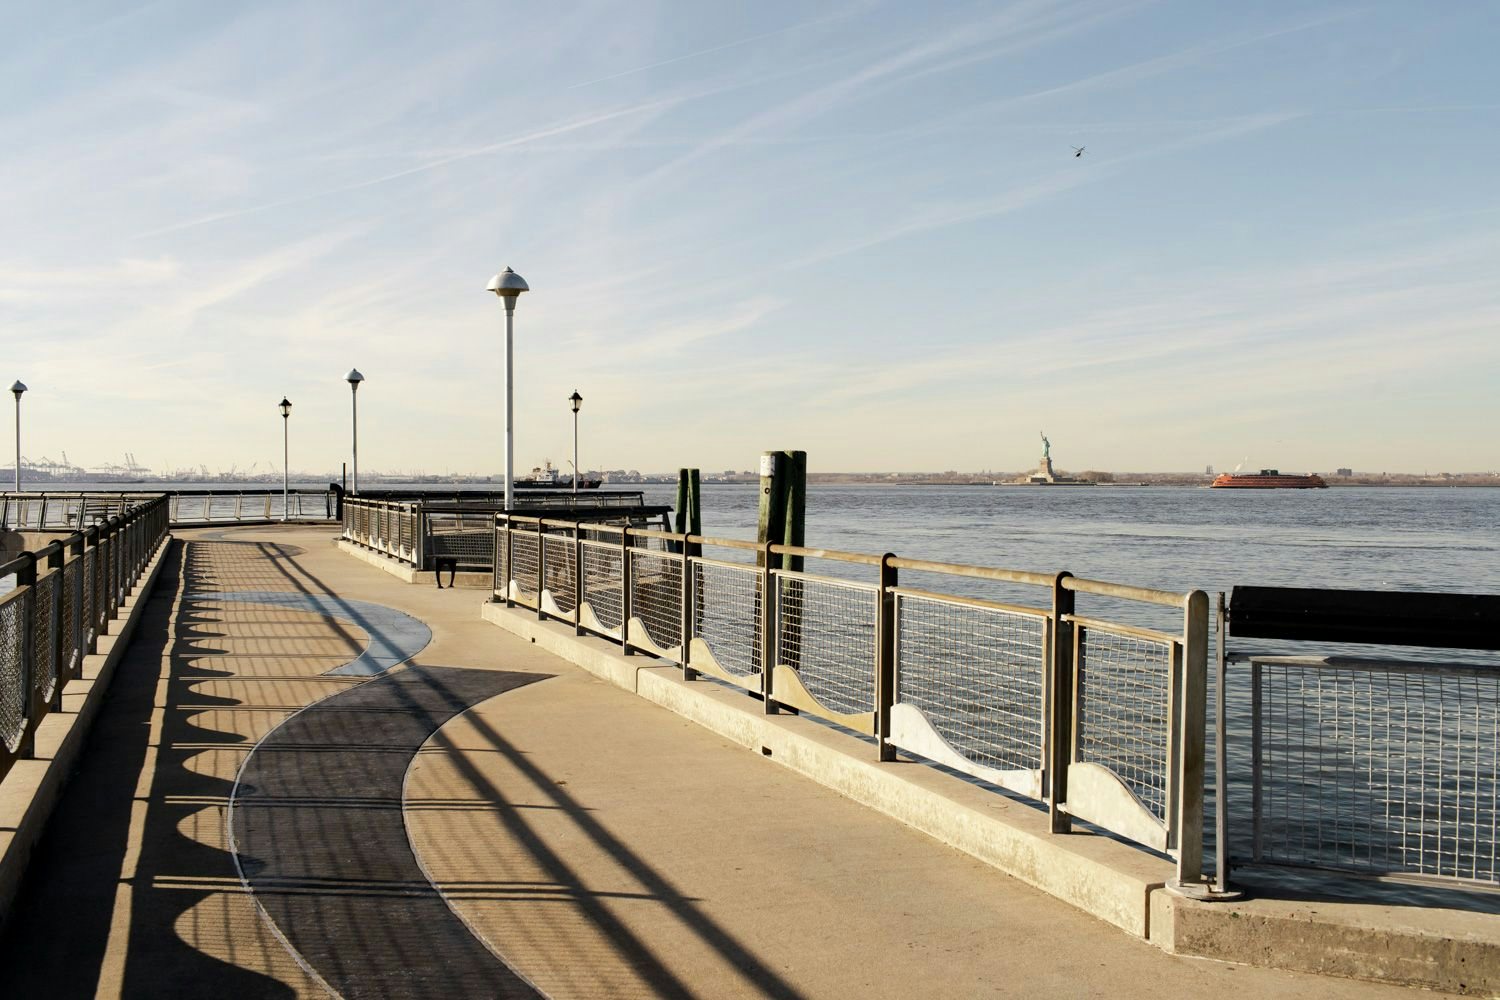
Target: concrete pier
point(311, 777)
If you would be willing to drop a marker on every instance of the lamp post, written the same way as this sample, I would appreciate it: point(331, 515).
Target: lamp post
point(509, 285)
point(286, 412)
point(577, 401)
point(354, 378)
point(18, 388)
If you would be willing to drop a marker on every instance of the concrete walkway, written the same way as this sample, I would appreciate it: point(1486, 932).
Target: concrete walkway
point(462, 814)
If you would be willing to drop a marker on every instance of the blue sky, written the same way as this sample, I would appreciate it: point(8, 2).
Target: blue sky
point(855, 229)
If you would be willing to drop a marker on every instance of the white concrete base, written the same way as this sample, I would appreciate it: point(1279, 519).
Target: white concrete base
point(400, 570)
point(1105, 878)
point(32, 787)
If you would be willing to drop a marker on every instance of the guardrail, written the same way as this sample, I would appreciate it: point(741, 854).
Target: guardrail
point(64, 597)
point(1097, 719)
point(422, 531)
point(1382, 765)
point(75, 511)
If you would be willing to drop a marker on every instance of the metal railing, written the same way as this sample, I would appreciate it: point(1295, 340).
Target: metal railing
point(1381, 766)
point(1100, 720)
point(422, 532)
point(186, 508)
point(64, 597)
point(1377, 764)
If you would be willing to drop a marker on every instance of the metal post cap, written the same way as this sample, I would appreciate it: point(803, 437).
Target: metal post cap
point(18, 388)
point(354, 378)
point(507, 284)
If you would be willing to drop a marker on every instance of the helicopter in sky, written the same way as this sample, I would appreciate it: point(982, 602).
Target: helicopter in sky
point(1077, 151)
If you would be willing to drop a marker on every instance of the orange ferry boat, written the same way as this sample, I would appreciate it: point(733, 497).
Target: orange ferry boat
point(1267, 479)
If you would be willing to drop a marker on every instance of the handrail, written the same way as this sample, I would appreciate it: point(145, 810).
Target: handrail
point(66, 593)
point(855, 654)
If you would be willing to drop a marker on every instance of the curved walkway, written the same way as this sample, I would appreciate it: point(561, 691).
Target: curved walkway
point(317, 831)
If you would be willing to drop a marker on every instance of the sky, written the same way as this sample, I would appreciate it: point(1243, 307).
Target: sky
point(855, 229)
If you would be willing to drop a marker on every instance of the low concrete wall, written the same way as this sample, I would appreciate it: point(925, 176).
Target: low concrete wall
point(1438, 948)
point(1103, 877)
point(400, 570)
point(32, 787)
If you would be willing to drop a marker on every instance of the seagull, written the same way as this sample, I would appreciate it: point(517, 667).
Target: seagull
point(1077, 151)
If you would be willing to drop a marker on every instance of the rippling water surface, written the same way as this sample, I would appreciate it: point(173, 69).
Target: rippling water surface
point(1171, 538)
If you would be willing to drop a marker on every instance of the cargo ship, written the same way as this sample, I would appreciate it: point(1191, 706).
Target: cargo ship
point(1268, 479)
point(546, 477)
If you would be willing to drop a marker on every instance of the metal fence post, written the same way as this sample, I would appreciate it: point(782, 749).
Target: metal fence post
point(885, 657)
point(80, 627)
point(577, 575)
point(1059, 699)
point(500, 562)
point(1221, 761)
point(541, 568)
point(1190, 742)
point(1255, 759)
point(26, 578)
point(421, 524)
point(55, 560)
point(767, 629)
point(688, 673)
point(626, 604)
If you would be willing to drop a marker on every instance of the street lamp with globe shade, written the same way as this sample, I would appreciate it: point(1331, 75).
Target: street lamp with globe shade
point(509, 285)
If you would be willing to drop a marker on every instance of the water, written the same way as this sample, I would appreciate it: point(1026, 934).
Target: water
point(1170, 538)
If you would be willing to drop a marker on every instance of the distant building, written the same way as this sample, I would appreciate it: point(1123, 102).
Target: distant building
point(1346, 472)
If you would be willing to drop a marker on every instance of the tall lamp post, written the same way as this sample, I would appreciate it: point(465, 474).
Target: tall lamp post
point(286, 412)
point(577, 401)
point(18, 388)
point(509, 285)
point(354, 378)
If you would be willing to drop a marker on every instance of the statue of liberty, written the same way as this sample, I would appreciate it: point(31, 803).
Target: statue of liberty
point(1046, 445)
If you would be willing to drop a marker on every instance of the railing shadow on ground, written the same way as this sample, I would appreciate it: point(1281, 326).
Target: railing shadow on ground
point(637, 956)
point(627, 946)
point(84, 884)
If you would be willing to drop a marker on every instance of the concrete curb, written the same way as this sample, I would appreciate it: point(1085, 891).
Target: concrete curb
point(32, 788)
point(1454, 951)
point(1102, 877)
point(409, 574)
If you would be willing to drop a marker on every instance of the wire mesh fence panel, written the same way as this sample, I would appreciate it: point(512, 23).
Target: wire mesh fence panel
point(524, 549)
point(1123, 703)
point(406, 534)
point(1387, 770)
point(826, 632)
point(90, 595)
point(978, 675)
point(561, 571)
point(727, 614)
point(656, 594)
point(13, 638)
point(71, 657)
point(471, 550)
point(602, 580)
point(44, 635)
